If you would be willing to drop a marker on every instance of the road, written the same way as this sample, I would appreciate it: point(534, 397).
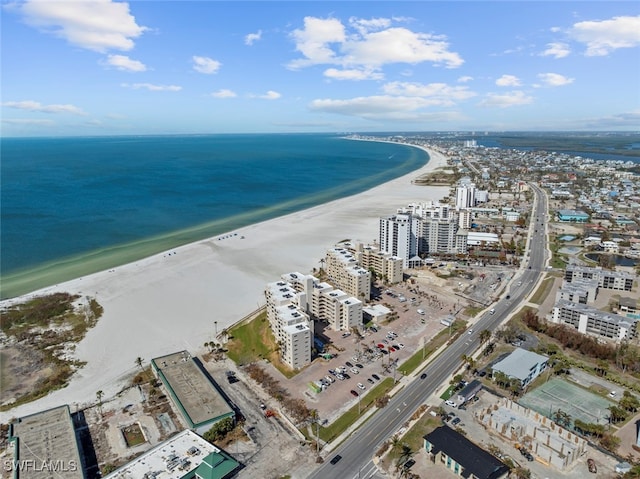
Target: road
point(356, 452)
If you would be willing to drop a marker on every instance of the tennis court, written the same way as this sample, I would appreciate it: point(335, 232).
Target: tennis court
point(571, 399)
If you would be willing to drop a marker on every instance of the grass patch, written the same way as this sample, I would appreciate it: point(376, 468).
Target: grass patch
point(417, 359)
point(133, 435)
point(251, 341)
point(543, 291)
point(448, 393)
point(46, 328)
point(332, 431)
point(254, 341)
point(473, 311)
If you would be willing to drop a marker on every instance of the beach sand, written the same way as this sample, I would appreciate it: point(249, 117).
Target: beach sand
point(171, 301)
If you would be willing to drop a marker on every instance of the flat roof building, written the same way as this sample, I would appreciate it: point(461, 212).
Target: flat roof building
point(607, 279)
point(185, 456)
point(461, 456)
point(523, 365)
point(193, 390)
point(588, 320)
point(45, 446)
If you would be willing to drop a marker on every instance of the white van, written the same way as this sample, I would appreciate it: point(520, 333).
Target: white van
point(420, 311)
point(492, 311)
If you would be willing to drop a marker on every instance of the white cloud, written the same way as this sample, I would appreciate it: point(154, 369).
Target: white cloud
point(151, 87)
point(251, 38)
point(556, 50)
point(370, 44)
point(313, 41)
point(353, 74)
point(123, 62)
point(431, 94)
point(603, 37)
point(465, 79)
point(99, 25)
point(554, 79)
point(514, 98)
point(224, 93)
point(629, 119)
point(270, 95)
point(30, 105)
point(381, 107)
point(205, 65)
point(508, 80)
point(27, 121)
point(363, 26)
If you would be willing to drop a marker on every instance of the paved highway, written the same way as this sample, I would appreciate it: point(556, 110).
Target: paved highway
point(356, 452)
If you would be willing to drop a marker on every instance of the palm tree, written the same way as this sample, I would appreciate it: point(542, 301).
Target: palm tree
point(99, 395)
point(484, 336)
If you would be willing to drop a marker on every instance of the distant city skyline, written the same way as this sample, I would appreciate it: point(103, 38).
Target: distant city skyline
point(103, 67)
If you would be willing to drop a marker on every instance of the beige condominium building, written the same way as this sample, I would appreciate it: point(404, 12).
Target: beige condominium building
point(344, 272)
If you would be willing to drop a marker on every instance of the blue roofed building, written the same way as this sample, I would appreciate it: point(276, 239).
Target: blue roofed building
point(573, 216)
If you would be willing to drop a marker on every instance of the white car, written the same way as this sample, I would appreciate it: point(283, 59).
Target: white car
point(400, 345)
point(355, 371)
point(361, 386)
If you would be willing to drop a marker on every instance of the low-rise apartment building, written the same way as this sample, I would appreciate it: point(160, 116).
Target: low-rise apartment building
point(607, 279)
point(588, 320)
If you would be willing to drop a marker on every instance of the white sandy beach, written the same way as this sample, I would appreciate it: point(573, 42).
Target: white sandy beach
point(171, 301)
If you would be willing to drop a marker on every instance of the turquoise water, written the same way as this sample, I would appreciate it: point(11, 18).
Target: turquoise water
point(73, 206)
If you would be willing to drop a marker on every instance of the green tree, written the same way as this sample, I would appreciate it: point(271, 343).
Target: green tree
point(485, 335)
point(219, 430)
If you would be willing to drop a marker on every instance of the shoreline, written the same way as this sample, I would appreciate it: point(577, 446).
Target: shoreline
point(24, 280)
point(176, 299)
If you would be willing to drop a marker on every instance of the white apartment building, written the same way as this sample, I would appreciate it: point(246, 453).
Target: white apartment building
point(343, 270)
point(438, 235)
point(583, 291)
point(465, 196)
point(618, 280)
point(290, 323)
point(325, 303)
point(399, 236)
point(588, 320)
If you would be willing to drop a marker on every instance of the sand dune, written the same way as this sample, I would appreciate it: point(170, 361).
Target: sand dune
point(172, 301)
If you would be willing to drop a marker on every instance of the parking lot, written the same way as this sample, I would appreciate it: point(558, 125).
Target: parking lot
point(366, 357)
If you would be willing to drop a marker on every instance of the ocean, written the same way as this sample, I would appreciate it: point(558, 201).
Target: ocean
point(73, 206)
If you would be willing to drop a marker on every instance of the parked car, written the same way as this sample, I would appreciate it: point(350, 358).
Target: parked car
point(361, 386)
point(455, 421)
point(359, 366)
point(354, 393)
point(348, 364)
point(371, 381)
point(376, 377)
point(592, 465)
point(400, 345)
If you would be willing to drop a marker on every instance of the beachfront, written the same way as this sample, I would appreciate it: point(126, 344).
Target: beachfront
point(178, 299)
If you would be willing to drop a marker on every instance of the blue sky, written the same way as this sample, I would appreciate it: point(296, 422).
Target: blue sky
point(106, 67)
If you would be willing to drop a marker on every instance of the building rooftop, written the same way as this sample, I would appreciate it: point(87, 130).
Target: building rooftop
point(472, 458)
point(44, 442)
point(194, 391)
point(519, 363)
point(184, 456)
point(611, 318)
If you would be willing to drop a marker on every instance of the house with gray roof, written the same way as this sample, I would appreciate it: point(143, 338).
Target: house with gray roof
point(523, 365)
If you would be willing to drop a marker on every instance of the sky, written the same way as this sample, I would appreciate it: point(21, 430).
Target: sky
point(105, 67)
